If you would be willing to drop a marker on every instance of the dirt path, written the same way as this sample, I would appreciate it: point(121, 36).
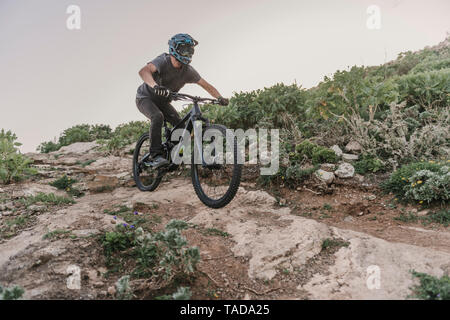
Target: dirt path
point(258, 250)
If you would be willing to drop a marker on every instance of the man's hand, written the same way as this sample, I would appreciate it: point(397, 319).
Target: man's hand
point(223, 101)
point(161, 91)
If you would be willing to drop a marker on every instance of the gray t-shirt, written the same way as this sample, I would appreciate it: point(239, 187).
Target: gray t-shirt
point(169, 76)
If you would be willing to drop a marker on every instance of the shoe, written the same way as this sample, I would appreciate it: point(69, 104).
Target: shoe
point(156, 161)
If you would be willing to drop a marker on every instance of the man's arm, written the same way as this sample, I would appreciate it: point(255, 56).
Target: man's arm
point(146, 74)
point(209, 88)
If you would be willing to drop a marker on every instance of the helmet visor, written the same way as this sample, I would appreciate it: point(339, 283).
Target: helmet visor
point(185, 50)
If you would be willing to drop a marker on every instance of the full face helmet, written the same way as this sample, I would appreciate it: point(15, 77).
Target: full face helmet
point(181, 46)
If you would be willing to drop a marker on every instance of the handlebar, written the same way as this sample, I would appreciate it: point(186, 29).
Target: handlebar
point(187, 97)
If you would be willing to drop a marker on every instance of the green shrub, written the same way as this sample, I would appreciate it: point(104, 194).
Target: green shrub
point(317, 154)
point(124, 291)
point(163, 254)
point(126, 134)
point(119, 240)
point(430, 287)
point(182, 293)
point(49, 198)
point(427, 89)
point(168, 249)
point(421, 181)
point(13, 165)
point(431, 65)
point(77, 133)
point(370, 164)
point(63, 183)
point(14, 293)
point(404, 134)
point(441, 217)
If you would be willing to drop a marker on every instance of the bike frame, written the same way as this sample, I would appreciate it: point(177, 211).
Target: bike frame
point(188, 123)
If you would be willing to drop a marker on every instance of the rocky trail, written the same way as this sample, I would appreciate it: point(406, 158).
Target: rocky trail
point(266, 244)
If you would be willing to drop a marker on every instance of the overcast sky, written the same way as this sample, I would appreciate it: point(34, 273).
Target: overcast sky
point(52, 78)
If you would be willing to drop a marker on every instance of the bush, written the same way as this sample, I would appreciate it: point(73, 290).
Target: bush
point(126, 134)
point(14, 293)
point(431, 288)
point(49, 198)
point(404, 135)
point(166, 249)
point(426, 89)
point(65, 183)
point(422, 181)
point(119, 240)
point(317, 154)
point(162, 255)
point(182, 293)
point(77, 133)
point(13, 165)
point(370, 164)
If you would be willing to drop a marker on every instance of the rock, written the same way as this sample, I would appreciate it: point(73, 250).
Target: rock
point(7, 213)
point(36, 208)
point(353, 146)
point(67, 161)
point(112, 291)
point(103, 183)
point(345, 170)
point(324, 176)
point(85, 232)
point(423, 213)
point(329, 167)
point(349, 157)
point(359, 177)
point(337, 150)
point(372, 197)
point(78, 147)
point(32, 189)
point(361, 213)
point(349, 219)
point(38, 158)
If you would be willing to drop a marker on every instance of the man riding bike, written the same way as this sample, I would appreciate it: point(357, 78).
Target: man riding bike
point(167, 73)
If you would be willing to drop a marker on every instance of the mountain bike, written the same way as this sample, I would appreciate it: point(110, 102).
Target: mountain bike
point(215, 180)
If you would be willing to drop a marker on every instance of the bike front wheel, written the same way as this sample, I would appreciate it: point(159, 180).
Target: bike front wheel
point(216, 182)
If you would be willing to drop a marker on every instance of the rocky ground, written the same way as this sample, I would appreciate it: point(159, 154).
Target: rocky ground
point(309, 243)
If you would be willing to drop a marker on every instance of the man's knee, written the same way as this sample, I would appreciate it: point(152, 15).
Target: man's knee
point(157, 117)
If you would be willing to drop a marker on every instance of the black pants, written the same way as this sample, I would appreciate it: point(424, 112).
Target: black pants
point(157, 110)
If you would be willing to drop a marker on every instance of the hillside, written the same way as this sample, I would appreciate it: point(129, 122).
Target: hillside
point(362, 190)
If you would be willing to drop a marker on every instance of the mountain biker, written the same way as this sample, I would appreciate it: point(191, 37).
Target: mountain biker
point(167, 73)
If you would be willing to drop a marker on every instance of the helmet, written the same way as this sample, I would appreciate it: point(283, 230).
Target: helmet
point(181, 46)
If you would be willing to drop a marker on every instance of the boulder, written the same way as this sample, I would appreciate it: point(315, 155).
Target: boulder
point(78, 147)
point(329, 167)
point(349, 157)
point(324, 176)
point(353, 146)
point(103, 183)
point(337, 150)
point(345, 170)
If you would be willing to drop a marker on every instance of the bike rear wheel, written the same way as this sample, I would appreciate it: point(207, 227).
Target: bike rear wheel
point(216, 184)
point(146, 178)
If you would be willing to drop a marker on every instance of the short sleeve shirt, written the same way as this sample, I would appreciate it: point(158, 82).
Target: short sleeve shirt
point(169, 76)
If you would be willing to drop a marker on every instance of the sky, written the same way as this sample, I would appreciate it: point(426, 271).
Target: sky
point(53, 77)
